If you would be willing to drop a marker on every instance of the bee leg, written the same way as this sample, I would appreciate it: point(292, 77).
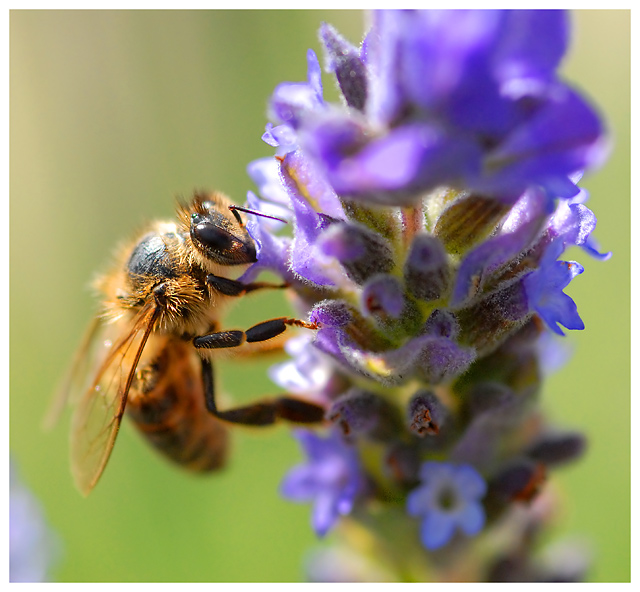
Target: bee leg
point(260, 332)
point(235, 288)
point(264, 412)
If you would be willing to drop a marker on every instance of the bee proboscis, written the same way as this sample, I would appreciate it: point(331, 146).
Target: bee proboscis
point(148, 349)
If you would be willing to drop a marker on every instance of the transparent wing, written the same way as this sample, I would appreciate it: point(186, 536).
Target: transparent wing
point(88, 357)
point(99, 412)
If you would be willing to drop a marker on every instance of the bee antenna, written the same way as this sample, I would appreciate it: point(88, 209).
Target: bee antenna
point(235, 209)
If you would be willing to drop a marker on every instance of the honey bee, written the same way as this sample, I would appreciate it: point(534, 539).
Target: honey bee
point(148, 351)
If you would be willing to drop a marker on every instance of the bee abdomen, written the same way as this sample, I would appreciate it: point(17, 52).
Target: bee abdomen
point(172, 415)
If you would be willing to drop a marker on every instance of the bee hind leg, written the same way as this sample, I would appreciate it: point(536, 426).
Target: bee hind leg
point(264, 412)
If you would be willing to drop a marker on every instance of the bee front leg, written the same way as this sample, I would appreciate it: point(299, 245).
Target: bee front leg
point(261, 413)
point(235, 288)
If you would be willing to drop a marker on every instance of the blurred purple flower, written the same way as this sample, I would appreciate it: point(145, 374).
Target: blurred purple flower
point(32, 546)
point(331, 479)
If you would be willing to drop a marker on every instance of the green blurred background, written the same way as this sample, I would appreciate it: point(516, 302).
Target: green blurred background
point(115, 113)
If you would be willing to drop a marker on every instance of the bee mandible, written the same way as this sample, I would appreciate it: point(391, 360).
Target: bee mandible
point(148, 351)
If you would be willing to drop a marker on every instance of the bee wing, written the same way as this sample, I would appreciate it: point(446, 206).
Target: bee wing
point(99, 412)
point(89, 356)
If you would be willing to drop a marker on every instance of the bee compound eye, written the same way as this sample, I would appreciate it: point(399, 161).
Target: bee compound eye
point(212, 236)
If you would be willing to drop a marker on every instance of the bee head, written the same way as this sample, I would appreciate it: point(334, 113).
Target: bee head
point(218, 233)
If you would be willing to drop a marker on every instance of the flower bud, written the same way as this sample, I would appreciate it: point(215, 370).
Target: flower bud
point(557, 449)
point(333, 313)
point(362, 252)
point(426, 414)
point(361, 413)
point(425, 271)
point(441, 324)
point(520, 481)
point(382, 297)
point(344, 60)
point(402, 463)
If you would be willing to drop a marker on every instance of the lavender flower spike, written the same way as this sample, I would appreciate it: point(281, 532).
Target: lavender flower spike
point(430, 211)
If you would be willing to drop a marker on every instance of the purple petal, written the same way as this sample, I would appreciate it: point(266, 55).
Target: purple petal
point(331, 478)
point(433, 472)
point(409, 156)
point(563, 136)
point(314, 75)
point(471, 518)
point(574, 223)
point(341, 242)
point(442, 50)
point(306, 373)
point(469, 482)
point(291, 101)
point(265, 173)
point(272, 251)
point(436, 530)
point(419, 501)
point(381, 54)
point(299, 484)
point(268, 138)
point(544, 290)
point(532, 44)
point(309, 193)
point(324, 514)
point(441, 323)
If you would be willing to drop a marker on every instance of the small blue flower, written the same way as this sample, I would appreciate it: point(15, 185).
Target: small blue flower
point(448, 499)
point(331, 479)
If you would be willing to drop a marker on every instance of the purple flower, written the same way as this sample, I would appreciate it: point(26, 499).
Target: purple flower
point(32, 547)
point(468, 99)
point(447, 500)
point(545, 286)
point(574, 222)
point(331, 479)
point(292, 100)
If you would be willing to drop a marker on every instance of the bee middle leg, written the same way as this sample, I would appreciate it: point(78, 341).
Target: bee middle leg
point(262, 413)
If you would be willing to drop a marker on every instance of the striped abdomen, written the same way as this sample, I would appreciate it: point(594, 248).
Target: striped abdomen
point(166, 402)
